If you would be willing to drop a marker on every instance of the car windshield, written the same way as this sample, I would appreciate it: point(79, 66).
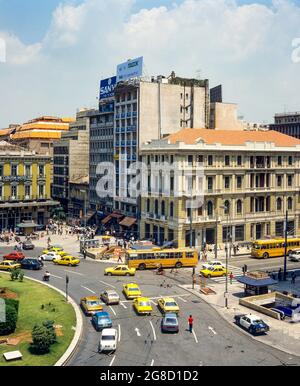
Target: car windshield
point(108, 337)
point(103, 318)
point(257, 321)
point(133, 289)
point(171, 321)
point(113, 294)
point(256, 246)
point(93, 303)
point(171, 304)
point(145, 304)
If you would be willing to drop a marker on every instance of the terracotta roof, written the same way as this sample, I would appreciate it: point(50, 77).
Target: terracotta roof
point(230, 137)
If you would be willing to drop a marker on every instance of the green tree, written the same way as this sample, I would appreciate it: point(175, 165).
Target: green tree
point(41, 340)
point(10, 325)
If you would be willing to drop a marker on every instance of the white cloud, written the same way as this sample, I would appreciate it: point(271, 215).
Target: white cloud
point(247, 48)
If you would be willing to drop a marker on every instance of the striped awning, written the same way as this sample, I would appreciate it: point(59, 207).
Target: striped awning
point(128, 222)
point(106, 220)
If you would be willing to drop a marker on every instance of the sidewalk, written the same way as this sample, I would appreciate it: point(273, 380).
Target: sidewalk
point(283, 335)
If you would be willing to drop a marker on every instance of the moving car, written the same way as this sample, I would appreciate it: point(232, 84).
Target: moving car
point(142, 306)
point(67, 260)
point(8, 265)
point(215, 263)
point(54, 248)
point(170, 323)
point(131, 291)
point(295, 255)
point(108, 340)
point(101, 320)
point(252, 323)
point(16, 256)
point(30, 263)
point(91, 305)
point(120, 270)
point(213, 272)
point(167, 305)
point(27, 245)
point(110, 297)
point(50, 256)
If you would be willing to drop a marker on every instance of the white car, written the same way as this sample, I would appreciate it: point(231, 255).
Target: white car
point(50, 256)
point(110, 297)
point(210, 264)
point(295, 255)
point(252, 323)
point(108, 340)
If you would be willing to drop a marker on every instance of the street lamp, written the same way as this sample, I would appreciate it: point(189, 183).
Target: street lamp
point(228, 250)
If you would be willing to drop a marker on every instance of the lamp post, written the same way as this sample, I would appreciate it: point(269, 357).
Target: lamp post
point(226, 209)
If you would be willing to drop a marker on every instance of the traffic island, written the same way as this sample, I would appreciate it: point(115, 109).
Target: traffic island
point(37, 305)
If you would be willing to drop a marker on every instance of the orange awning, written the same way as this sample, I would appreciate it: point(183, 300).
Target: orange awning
point(106, 220)
point(128, 222)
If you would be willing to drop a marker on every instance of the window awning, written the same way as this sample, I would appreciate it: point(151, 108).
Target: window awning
point(116, 215)
point(128, 222)
point(106, 220)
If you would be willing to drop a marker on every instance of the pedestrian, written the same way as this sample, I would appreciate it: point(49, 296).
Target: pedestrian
point(234, 249)
point(231, 277)
point(279, 274)
point(191, 321)
point(293, 278)
point(120, 257)
point(84, 254)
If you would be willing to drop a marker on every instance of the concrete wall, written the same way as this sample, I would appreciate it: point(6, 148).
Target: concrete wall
point(223, 116)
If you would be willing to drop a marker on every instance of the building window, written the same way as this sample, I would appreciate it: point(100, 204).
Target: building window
point(14, 170)
point(239, 180)
point(210, 208)
point(226, 207)
point(172, 159)
point(41, 170)
point(190, 160)
point(156, 207)
point(279, 181)
point(27, 190)
point(290, 160)
point(200, 159)
point(27, 170)
point(1, 170)
point(210, 183)
point(290, 203)
point(41, 190)
point(1, 191)
point(227, 232)
point(240, 233)
point(239, 207)
point(171, 209)
point(210, 160)
point(279, 204)
point(163, 208)
point(148, 205)
point(14, 191)
point(227, 160)
point(279, 160)
point(227, 182)
point(290, 180)
point(239, 160)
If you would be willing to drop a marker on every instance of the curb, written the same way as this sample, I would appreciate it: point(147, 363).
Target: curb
point(79, 324)
point(271, 345)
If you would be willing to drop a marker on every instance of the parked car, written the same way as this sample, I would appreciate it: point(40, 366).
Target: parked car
point(108, 340)
point(120, 270)
point(213, 272)
point(91, 305)
point(31, 264)
point(215, 263)
point(168, 305)
point(27, 245)
point(16, 256)
point(288, 311)
point(142, 306)
point(281, 313)
point(252, 323)
point(295, 255)
point(101, 320)
point(9, 265)
point(69, 261)
point(49, 256)
point(131, 291)
point(170, 323)
point(110, 297)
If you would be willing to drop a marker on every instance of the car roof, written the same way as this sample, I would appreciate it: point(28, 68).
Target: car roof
point(140, 299)
point(9, 261)
point(109, 331)
point(170, 315)
point(252, 317)
point(101, 313)
point(132, 285)
point(109, 291)
point(92, 298)
point(169, 299)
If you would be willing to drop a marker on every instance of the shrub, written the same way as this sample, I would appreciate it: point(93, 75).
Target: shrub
point(41, 340)
point(21, 276)
point(15, 273)
point(9, 326)
point(13, 303)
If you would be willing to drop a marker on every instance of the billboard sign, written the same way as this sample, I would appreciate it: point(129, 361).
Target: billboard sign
point(107, 87)
point(130, 69)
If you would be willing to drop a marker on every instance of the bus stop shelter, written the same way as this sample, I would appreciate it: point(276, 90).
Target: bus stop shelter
point(255, 285)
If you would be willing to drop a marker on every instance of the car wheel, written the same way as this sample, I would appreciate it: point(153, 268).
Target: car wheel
point(178, 265)
point(224, 275)
point(70, 265)
point(142, 267)
point(266, 255)
point(208, 276)
point(109, 274)
point(127, 274)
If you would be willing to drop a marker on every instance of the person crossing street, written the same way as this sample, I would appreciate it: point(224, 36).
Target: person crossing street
point(191, 322)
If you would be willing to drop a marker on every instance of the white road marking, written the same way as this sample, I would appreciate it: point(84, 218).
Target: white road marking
point(152, 363)
point(88, 289)
point(119, 327)
point(112, 361)
point(57, 277)
point(75, 273)
point(153, 329)
point(123, 305)
point(179, 297)
point(113, 311)
point(212, 330)
point(195, 336)
point(110, 285)
point(153, 302)
point(137, 332)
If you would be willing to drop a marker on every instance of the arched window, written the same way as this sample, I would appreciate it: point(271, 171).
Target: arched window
point(163, 208)
point(239, 206)
point(148, 205)
point(279, 204)
point(171, 209)
point(290, 203)
point(156, 207)
point(210, 208)
point(226, 207)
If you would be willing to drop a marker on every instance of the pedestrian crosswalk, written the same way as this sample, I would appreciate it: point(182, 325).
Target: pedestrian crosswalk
point(236, 271)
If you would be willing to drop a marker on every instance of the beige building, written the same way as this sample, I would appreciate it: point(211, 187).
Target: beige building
point(249, 179)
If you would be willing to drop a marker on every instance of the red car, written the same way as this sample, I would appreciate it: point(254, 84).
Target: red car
point(16, 256)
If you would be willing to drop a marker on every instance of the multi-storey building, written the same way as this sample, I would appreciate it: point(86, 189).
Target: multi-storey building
point(146, 110)
point(287, 123)
point(101, 151)
point(244, 182)
point(71, 157)
point(24, 186)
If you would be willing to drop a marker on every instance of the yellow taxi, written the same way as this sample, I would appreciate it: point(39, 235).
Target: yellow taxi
point(62, 253)
point(91, 305)
point(217, 271)
point(131, 291)
point(120, 270)
point(168, 305)
point(142, 306)
point(67, 260)
point(53, 249)
point(9, 265)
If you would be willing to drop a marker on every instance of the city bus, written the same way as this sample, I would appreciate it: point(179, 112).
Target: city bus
point(165, 258)
point(263, 249)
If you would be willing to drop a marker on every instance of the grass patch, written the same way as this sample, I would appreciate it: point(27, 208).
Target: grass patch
point(37, 304)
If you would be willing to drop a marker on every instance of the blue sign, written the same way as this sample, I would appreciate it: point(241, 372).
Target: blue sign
point(130, 69)
point(107, 87)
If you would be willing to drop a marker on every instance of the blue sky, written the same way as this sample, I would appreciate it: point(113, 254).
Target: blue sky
point(57, 51)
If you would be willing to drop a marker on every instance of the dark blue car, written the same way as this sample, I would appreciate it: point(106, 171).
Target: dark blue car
point(170, 323)
point(32, 264)
point(101, 320)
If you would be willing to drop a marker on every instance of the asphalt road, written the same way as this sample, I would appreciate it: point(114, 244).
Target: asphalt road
point(214, 342)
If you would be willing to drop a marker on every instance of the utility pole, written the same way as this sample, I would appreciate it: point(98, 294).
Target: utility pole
point(67, 286)
point(285, 246)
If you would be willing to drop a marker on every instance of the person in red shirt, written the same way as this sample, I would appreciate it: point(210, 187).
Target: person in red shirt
point(191, 321)
point(231, 277)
